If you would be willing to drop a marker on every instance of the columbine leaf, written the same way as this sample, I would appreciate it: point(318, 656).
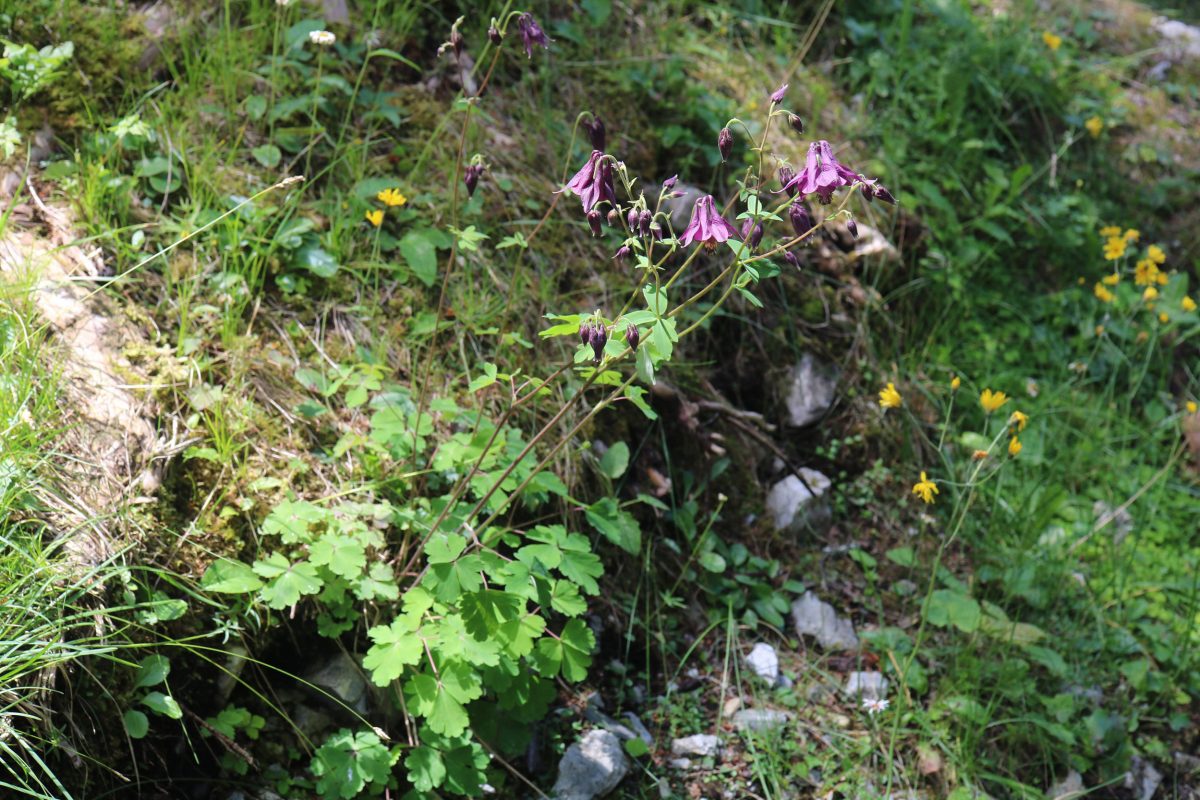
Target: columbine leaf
point(395, 647)
point(344, 555)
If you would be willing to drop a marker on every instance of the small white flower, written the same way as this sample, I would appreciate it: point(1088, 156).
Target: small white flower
point(873, 706)
point(323, 38)
point(283, 2)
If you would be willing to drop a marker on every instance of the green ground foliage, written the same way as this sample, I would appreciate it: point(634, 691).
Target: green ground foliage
point(423, 419)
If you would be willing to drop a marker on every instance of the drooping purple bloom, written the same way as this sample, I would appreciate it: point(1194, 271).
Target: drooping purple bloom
point(670, 182)
point(725, 143)
point(614, 217)
point(622, 252)
point(796, 123)
point(644, 222)
point(752, 232)
point(707, 225)
point(852, 226)
point(791, 258)
point(632, 219)
point(823, 173)
point(598, 339)
point(785, 177)
point(531, 33)
point(656, 231)
point(777, 95)
point(471, 177)
point(593, 218)
point(632, 337)
point(596, 132)
point(800, 219)
point(594, 182)
point(494, 34)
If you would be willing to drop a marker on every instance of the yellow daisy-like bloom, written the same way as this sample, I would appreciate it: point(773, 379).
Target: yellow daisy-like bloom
point(1014, 446)
point(1053, 41)
point(1094, 126)
point(1188, 303)
point(1114, 248)
point(979, 455)
point(1018, 420)
point(955, 382)
point(1145, 272)
point(1156, 254)
point(1191, 406)
point(1099, 330)
point(1150, 294)
point(889, 397)
point(1111, 280)
point(1161, 278)
point(925, 488)
point(1102, 293)
point(991, 401)
point(1164, 318)
point(391, 198)
point(1109, 231)
point(1131, 235)
point(375, 217)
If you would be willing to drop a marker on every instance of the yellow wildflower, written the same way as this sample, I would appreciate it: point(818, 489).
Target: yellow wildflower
point(1109, 231)
point(391, 198)
point(991, 401)
point(1150, 294)
point(1014, 446)
point(1053, 41)
point(1163, 318)
point(1141, 337)
point(979, 455)
point(1099, 330)
point(1131, 235)
point(1102, 293)
point(1191, 406)
point(1094, 126)
point(1145, 272)
point(1188, 303)
point(1156, 254)
point(1114, 248)
point(956, 382)
point(889, 397)
point(375, 217)
point(925, 488)
point(1161, 278)
point(1082, 280)
point(1111, 280)
point(1018, 420)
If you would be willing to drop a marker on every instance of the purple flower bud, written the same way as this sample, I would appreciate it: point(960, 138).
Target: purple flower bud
point(752, 232)
point(791, 259)
point(786, 174)
point(670, 182)
point(596, 132)
point(594, 219)
point(656, 231)
point(585, 333)
point(632, 337)
point(801, 221)
point(614, 217)
point(884, 195)
point(644, 222)
point(852, 226)
point(494, 34)
point(471, 177)
point(777, 95)
point(632, 219)
point(623, 252)
point(599, 338)
point(796, 123)
point(725, 143)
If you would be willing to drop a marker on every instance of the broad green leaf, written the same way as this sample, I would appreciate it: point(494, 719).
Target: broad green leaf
point(292, 521)
point(425, 768)
point(420, 253)
point(394, 647)
point(267, 154)
point(137, 724)
point(229, 577)
point(565, 599)
point(152, 670)
point(712, 562)
point(163, 704)
point(617, 525)
point(948, 607)
point(615, 460)
point(317, 260)
point(343, 555)
point(288, 582)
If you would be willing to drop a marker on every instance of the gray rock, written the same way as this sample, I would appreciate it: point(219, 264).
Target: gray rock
point(700, 744)
point(763, 662)
point(592, 767)
point(1142, 779)
point(867, 685)
point(813, 617)
point(1068, 788)
point(680, 763)
point(341, 677)
point(812, 385)
point(639, 728)
point(760, 719)
point(796, 507)
point(784, 682)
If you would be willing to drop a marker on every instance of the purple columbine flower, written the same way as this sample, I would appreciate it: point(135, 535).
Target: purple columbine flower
point(852, 226)
point(531, 33)
point(471, 177)
point(594, 182)
point(752, 232)
point(670, 182)
point(707, 227)
point(596, 132)
point(777, 95)
point(594, 218)
point(644, 220)
point(632, 219)
point(632, 337)
point(623, 252)
point(798, 215)
point(822, 174)
point(725, 143)
point(785, 177)
point(796, 123)
point(598, 340)
point(494, 34)
point(791, 258)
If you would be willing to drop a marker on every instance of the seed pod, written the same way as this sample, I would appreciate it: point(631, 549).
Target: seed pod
point(796, 123)
point(786, 174)
point(599, 339)
point(725, 143)
point(596, 133)
point(594, 219)
point(801, 221)
point(852, 226)
point(632, 337)
point(644, 222)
